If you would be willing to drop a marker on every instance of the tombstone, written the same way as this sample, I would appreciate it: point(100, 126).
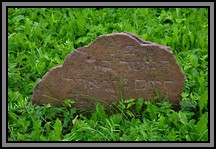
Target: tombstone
point(113, 67)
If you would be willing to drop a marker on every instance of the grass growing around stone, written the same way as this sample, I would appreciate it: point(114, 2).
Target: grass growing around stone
point(40, 38)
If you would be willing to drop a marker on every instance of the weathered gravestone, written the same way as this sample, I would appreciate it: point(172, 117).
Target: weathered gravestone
point(111, 66)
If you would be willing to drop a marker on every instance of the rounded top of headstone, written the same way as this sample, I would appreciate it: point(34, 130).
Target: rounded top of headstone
point(112, 66)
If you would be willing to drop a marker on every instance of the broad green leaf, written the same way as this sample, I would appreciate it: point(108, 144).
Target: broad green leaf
point(58, 128)
point(139, 104)
point(18, 18)
point(202, 124)
point(152, 109)
point(202, 102)
point(69, 137)
point(47, 126)
point(182, 117)
point(130, 104)
point(36, 130)
point(12, 116)
point(121, 105)
point(187, 137)
point(100, 111)
point(129, 113)
point(43, 138)
point(177, 12)
point(129, 101)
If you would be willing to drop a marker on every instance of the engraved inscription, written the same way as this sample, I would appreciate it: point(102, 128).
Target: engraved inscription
point(113, 51)
point(79, 80)
point(168, 84)
point(157, 82)
point(132, 66)
point(112, 55)
point(126, 82)
point(129, 50)
point(90, 65)
point(147, 59)
point(140, 84)
point(106, 66)
point(107, 87)
point(139, 66)
point(154, 82)
point(125, 64)
point(68, 79)
point(91, 85)
point(166, 65)
point(152, 65)
point(135, 66)
point(88, 84)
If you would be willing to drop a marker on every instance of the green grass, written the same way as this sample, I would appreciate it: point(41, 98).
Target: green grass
point(40, 38)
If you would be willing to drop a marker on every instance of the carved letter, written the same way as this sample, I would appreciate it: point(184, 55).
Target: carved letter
point(166, 65)
point(129, 50)
point(168, 84)
point(140, 84)
point(106, 66)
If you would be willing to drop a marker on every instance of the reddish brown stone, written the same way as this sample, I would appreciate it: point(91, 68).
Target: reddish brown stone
point(94, 73)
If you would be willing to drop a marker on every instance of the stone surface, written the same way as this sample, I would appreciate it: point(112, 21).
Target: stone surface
point(112, 66)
